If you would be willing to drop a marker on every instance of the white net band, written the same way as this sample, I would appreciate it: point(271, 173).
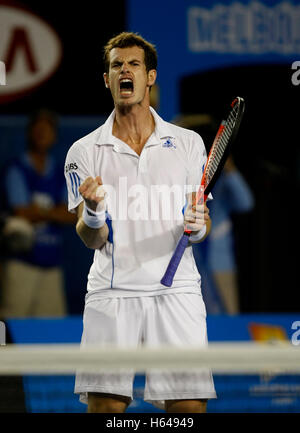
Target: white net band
point(220, 357)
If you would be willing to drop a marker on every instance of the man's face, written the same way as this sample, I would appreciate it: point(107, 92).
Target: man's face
point(127, 79)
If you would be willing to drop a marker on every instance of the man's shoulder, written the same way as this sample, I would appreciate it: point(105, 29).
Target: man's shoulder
point(188, 140)
point(181, 132)
point(171, 129)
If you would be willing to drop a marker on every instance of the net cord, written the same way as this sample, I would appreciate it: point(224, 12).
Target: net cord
point(219, 357)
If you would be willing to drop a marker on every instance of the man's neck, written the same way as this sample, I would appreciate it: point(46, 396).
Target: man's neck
point(134, 126)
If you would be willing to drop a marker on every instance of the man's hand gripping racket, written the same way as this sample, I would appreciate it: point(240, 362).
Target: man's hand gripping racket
point(215, 161)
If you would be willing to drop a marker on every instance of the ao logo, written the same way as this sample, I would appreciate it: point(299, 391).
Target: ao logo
point(296, 335)
point(296, 74)
point(30, 51)
point(2, 333)
point(2, 74)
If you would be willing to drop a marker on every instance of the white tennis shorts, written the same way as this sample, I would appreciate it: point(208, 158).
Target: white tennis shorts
point(176, 319)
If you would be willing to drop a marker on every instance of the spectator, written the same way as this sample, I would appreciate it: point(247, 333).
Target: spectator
point(231, 196)
point(34, 189)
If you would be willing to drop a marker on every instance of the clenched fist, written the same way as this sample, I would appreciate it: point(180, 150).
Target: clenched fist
point(93, 193)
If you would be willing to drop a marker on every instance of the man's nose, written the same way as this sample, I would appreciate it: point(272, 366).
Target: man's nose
point(125, 67)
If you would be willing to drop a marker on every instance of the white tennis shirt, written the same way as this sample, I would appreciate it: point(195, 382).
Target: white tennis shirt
point(144, 201)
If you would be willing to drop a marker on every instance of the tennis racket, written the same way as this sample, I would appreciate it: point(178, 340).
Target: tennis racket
point(215, 162)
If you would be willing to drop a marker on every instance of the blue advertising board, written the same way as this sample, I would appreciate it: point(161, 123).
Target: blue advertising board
point(204, 35)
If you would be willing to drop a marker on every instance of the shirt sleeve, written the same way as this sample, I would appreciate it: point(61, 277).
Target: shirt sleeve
point(76, 171)
point(197, 161)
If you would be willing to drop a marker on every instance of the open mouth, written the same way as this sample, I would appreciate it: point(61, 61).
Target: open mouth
point(126, 86)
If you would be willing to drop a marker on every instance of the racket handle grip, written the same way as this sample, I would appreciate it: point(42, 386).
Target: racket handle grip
point(167, 279)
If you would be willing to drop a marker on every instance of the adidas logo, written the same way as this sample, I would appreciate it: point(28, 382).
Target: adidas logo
point(169, 143)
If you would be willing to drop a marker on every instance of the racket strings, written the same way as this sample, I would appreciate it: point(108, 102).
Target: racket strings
point(220, 144)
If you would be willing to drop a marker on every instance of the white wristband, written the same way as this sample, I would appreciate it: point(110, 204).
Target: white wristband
point(198, 235)
point(93, 219)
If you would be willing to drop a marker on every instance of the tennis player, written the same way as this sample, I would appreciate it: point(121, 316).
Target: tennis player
point(131, 183)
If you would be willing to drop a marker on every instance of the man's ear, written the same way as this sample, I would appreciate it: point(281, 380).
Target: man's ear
point(151, 77)
point(106, 79)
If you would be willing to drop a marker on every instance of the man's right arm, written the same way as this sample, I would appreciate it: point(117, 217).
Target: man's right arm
point(92, 238)
point(91, 226)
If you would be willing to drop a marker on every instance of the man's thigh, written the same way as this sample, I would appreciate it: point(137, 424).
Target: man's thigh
point(178, 320)
point(117, 322)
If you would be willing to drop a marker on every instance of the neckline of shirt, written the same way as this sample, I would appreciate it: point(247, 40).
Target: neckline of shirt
point(106, 137)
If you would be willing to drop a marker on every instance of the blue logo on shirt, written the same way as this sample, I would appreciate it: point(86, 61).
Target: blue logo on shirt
point(169, 143)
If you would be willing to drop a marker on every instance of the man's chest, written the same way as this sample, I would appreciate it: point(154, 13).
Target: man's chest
point(156, 165)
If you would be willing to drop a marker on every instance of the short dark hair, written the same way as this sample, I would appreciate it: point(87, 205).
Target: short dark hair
point(130, 39)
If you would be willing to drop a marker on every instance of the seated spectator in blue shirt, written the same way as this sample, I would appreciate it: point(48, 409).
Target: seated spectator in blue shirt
point(32, 279)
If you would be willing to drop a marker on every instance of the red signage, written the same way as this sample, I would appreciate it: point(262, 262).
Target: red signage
point(30, 49)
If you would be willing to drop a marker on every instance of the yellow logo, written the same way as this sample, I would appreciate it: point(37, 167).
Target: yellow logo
point(263, 332)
